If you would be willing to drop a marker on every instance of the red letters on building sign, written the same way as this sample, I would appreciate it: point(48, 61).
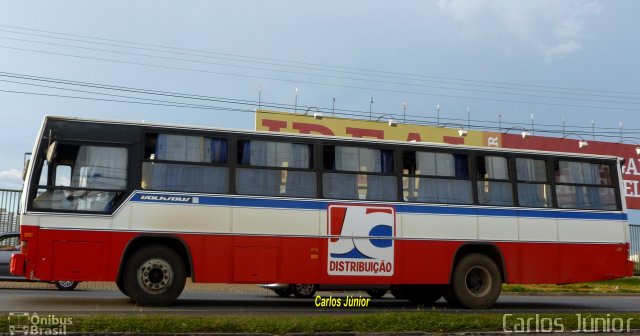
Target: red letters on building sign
point(305, 128)
point(363, 132)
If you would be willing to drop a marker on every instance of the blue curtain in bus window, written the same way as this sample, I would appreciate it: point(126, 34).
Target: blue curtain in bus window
point(219, 150)
point(435, 164)
point(530, 194)
point(592, 176)
point(187, 178)
point(257, 181)
point(246, 153)
point(343, 185)
point(433, 190)
point(461, 165)
point(340, 186)
point(576, 172)
point(300, 183)
point(382, 188)
point(494, 193)
point(386, 162)
point(497, 193)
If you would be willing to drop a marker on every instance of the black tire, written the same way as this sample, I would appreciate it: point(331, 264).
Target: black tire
point(476, 282)
point(451, 298)
point(66, 285)
point(121, 287)
point(421, 294)
point(396, 292)
point(377, 293)
point(284, 292)
point(304, 290)
point(154, 276)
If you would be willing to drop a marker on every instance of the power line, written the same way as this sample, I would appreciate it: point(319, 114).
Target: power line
point(157, 102)
point(335, 77)
point(320, 84)
point(290, 63)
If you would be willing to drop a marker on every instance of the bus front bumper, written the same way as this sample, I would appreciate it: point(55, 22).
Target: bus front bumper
point(16, 266)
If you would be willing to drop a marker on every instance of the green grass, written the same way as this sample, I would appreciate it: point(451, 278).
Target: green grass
point(425, 321)
point(618, 286)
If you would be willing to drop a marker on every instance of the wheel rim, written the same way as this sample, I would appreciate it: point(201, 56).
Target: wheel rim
point(478, 281)
point(305, 290)
point(66, 284)
point(155, 276)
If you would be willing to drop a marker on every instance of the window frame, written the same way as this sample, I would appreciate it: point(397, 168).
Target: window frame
point(146, 133)
point(51, 176)
point(235, 165)
point(396, 173)
point(470, 169)
point(615, 182)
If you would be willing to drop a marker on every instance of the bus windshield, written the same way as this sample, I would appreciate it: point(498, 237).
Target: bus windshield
point(82, 178)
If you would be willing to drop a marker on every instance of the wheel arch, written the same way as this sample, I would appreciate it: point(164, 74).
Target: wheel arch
point(490, 250)
point(175, 243)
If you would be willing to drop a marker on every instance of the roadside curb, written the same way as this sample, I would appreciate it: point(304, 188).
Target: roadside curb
point(463, 333)
point(566, 294)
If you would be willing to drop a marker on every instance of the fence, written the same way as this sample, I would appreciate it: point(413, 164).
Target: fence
point(635, 247)
point(9, 210)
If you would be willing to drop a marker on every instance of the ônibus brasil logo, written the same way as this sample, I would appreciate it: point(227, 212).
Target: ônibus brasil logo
point(361, 240)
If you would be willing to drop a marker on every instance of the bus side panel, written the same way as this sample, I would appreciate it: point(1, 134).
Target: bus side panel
point(79, 255)
point(531, 262)
point(212, 262)
point(592, 262)
point(302, 260)
point(425, 261)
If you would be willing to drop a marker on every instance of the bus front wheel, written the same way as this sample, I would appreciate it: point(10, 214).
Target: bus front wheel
point(154, 276)
point(476, 282)
point(121, 287)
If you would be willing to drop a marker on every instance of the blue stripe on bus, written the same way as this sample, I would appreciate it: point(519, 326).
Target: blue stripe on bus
point(400, 208)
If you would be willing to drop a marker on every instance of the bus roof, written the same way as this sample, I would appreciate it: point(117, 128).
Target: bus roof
point(324, 137)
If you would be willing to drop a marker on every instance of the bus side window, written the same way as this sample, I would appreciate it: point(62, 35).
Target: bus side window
point(273, 168)
point(493, 185)
point(359, 173)
point(185, 163)
point(584, 185)
point(437, 178)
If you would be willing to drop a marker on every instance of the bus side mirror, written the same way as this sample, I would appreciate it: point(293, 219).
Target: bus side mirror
point(24, 169)
point(52, 151)
point(26, 161)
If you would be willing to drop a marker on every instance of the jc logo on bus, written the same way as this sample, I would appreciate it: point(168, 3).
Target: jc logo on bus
point(361, 240)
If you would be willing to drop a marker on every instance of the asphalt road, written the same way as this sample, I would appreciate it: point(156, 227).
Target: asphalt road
point(225, 302)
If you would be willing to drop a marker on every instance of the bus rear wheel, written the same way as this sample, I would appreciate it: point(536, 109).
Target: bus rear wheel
point(154, 276)
point(304, 290)
point(376, 293)
point(284, 292)
point(476, 282)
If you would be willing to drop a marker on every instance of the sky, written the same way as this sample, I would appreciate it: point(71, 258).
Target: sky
point(573, 59)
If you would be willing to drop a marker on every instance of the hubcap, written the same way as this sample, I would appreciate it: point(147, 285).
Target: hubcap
point(304, 289)
point(65, 283)
point(478, 281)
point(155, 275)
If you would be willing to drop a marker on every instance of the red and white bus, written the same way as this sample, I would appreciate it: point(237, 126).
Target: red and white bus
point(149, 205)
